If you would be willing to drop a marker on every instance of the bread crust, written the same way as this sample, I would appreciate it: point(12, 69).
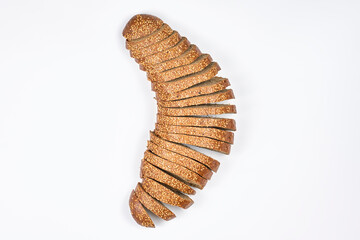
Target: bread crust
point(138, 212)
point(152, 204)
point(141, 25)
point(199, 110)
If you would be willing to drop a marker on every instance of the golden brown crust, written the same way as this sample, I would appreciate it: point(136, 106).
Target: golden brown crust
point(186, 151)
point(189, 56)
point(152, 204)
point(199, 64)
point(164, 44)
point(203, 142)
point(213, 133)
point(225, 123)
point(150, 171)
point(138, 212)
point(189, 163)
point(141, 25)
point(212, 85)
point(185, 82)
point(167, 54)
point(199, 100)
point(166, 195)
point(163, 32)
point(179, 171)
point(199, 110)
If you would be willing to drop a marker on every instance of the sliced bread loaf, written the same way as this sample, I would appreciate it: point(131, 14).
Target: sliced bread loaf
point(138, 212)
point(151, 171)
point(177, 170)
point(199, 64)
point(163, 32)
point(199, 100)
point(215, 84)
point(203, 142)
point(167, 54)
point(152, 204)
point(224, 123)
point(187, 81)
point(186, 151)
point(189, 56)
point(213, 133)
point(199, 110)
point(189, 163)
point(165, 194)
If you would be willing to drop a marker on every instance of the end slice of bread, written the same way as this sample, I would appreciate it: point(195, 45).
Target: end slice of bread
point(138, 212)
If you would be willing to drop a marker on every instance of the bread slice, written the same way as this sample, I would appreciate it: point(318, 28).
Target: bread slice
point(186, 151)
point(203, 142)
point(187, 81)
point(199, 64)
point(167, 54)
point(150, 171)
point(213, 85)
point(224, 123)
point(166, 195)
point(152, 204)
point(138, 212)
point(189, 56)
point(177, 170)
point(199, 100)
point(213, 133)
point(140, 26)
point(189, 163)
point(163, 32)
point(199, 110)
point(166, 43)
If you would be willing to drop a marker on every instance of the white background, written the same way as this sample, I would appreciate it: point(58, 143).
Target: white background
point(75, 112)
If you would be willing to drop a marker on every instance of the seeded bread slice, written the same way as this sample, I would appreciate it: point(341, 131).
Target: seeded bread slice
point(177, 170)
point(189, 56)
point(199, 64)
point(199, 100)
point(166, 43)
point(215, 84)
point(185, 151)
point(141, 25)
point(189, 163)
point(203, 142)
point(163, 32)
point(167, 54)
point(153, 172)
point(187, 81)
point(199, 110)
point(213, 133)
point(166, 195)
point(138, 212)
point(152, 204)
point(224, 123)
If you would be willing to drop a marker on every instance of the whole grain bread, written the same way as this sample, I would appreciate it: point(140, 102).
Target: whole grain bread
point(186, 151)
point(189, 56)
point(198, 110)
point(212, 85)
point(213, 133)
point(152, 204)
point(165, 194)
point(199, 100)
point(223, 123)
point(199, 64)
point(163, 32)
point(177, 170)
point(140, 26)
point(189, 163)
point(150, 171)
point(203, 142)
point(138, 212)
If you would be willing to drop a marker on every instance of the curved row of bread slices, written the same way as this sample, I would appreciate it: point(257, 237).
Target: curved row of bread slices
point(187, 92)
